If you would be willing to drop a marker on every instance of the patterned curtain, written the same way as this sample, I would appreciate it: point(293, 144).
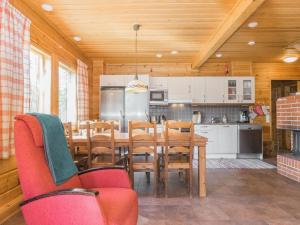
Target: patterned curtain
point(82, 91)
point(14, 72)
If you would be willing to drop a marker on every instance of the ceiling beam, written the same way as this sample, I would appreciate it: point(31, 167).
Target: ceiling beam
point(242, 10)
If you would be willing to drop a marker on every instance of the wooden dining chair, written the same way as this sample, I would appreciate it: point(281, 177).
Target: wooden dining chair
point(102, 145)
point(69, 136)
point(143, 150)
point(179, 148)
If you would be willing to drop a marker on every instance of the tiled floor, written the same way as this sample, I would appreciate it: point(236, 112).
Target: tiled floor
point(234, 196)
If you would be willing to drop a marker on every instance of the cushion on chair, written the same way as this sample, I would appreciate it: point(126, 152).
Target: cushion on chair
point(119, 204)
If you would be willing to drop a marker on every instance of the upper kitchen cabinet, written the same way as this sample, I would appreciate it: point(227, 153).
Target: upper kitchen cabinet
point(247, 90)
point(112, 80)
point(215, 90)
point(144, 78)
point(120, 80)
point(179, 89)
point(240, 90)
point(160, 83)
point(198, 89)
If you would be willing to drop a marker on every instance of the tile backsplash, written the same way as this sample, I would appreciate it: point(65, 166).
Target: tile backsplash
point(184, 112)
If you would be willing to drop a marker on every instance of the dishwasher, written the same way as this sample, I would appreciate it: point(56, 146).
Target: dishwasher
point(250, 141)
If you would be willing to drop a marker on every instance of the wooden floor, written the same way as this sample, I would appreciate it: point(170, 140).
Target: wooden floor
point(235, 196)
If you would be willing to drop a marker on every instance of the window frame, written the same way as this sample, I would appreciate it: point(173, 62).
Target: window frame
point(72, 72)
point(42, 70)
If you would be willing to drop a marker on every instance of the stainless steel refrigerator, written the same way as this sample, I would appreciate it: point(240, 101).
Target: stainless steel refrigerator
point(116, 104)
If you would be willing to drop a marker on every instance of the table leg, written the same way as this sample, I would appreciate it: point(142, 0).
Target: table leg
point(202, 170)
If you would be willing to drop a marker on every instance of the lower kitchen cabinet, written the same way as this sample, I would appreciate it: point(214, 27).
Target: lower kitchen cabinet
point(222, 140)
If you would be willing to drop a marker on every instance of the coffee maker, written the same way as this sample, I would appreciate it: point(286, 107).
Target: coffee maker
point(244, 116)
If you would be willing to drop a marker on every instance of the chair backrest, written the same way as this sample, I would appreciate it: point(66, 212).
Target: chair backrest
point(117, 125)
point(69, 136)
point(140, 135)
point(34, 174)
point(179, 134)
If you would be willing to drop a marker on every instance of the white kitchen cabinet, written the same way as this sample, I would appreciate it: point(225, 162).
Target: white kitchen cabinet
point(211, 133)
point(112, 80)
point(198, 89)
point(120, 80)
point(221, 140)
point(246, 89)
point(128, 78)
point(179, 89)
point(160, 83)
point(240, 90)
point(215, 88)
point(227, 139)
point(231, 90)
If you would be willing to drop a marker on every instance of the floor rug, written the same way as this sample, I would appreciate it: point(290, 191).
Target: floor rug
point(238, 164)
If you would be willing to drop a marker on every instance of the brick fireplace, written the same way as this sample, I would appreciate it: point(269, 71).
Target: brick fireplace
point(288, 118)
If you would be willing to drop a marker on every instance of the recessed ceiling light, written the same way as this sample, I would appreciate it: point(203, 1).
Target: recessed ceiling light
point(219, 55)
point(77, 38)
point(253, 24)
point(291, 55)
point(47, 7)
point(290, 59)
point(159, 55)
point(174, 52)
point(251, 43)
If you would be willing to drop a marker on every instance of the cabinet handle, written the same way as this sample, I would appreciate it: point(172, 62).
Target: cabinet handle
point(226, 126)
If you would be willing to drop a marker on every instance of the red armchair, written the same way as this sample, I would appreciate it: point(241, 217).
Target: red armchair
point(93, 197)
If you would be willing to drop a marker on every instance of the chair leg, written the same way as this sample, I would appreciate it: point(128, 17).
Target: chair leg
point(155, 178)
point(148, 177)
point(166, 179)
point(191, 182)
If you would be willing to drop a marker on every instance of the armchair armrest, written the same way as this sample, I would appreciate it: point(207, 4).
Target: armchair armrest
point(105, 177)
point(73, 191)
point(64, 207)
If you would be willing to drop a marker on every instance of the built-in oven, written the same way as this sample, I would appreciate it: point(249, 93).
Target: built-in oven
point(158, 97)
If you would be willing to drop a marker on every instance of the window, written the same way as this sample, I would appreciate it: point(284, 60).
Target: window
point(40, 82)
point(67, 94)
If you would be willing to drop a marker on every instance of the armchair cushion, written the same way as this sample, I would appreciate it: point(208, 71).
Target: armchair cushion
point(105, 178)
point(120, 205)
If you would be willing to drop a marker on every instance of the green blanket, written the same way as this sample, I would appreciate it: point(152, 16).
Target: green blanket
point(57, 153)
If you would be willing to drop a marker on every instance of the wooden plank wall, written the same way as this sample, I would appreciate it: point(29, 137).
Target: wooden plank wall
point(264, 73)
point(49, 40)
point(10, 190)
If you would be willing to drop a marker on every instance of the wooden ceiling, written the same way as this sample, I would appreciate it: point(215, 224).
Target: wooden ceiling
point(279, 26)
point(105, 27)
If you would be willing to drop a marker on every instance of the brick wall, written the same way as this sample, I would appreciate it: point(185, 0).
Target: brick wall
point(288, 112)
point(288, 166)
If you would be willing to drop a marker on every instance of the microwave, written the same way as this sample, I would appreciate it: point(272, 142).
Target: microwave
point(158, 97)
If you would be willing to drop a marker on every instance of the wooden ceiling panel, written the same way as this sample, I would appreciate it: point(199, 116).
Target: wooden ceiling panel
point(105, 26)
point(279, 26)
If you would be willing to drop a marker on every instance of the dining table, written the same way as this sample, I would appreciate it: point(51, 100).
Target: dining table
point(122, 140)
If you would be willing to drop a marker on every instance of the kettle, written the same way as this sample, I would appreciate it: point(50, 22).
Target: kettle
point(196, 117)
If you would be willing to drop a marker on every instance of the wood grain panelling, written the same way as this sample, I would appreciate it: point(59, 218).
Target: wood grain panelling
point(10, 191)
point(95, 95)
point(278, 27)
point(169, 69)
point(106, 26)
point(237, 16)
point(264, 74)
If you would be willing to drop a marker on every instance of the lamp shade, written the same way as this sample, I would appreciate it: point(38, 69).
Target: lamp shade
point(136, 86)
